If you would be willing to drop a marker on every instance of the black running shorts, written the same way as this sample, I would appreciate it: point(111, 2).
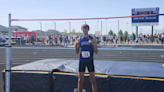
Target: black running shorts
point(89, 65)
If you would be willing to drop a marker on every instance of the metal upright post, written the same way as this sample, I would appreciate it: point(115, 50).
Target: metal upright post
point(69, 27)
point(55, 28)
point(101, 28)
point(118, 26)
point(97, 25)
point(106, 27)
point(8, 60)
point(136, 32)
point(40, 25)
point(152, 31)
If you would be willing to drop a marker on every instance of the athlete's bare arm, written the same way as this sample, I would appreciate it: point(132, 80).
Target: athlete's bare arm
point(94, 44)
point(77, 45)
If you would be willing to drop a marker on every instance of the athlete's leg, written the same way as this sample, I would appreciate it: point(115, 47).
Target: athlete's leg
point(82, 66)
point(91, 70)
point(80, 81)
point(93, 81)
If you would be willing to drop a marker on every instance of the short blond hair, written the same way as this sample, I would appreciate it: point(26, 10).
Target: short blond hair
point(85, 26)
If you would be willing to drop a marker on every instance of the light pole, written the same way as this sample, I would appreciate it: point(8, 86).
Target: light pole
point(140, 30)
point(8, 60)
point(127, 26)
point(40, 25)
point(69, 26)
point(118, 26)
point(97, 25)
point(132, 29)
point(85, 22)
point(101, 28)
point(55, 27)
point(132, 34)
point(106, 27)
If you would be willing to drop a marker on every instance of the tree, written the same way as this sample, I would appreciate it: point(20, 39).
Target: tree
point(120, 32)
point(79, 33)
point(73, 32)
point(65, 32)
point(114, 35)
point(125, 33)
point(154, 35)
point(133, 36)
point(110, 32)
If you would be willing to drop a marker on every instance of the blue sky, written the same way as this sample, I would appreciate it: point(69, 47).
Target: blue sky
point(58, 9)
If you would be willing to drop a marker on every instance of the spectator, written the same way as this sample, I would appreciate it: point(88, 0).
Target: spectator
point(116, 38)
point(104, 39)
point(128, 39)
point(151, 39)
point(25, 39)
point(64, 38)
point(125, 38)
point(56, 40)
point(133, 38)
point(47, 39)
point(60, 39)
point(160, 38)
point(144, 35)
point(141, 38)
point(147, 38)
point(69, 39)
point(111, 38)
point(144, 38)
point(74, 37)
point(29, 39)
point(107, 39)
point(98, 40)
point(66, 41)
point(137, 40)
point(121, 39)
point(16, 39)
point(43, 41)
point(156, 36)
point(21, 40)
point(32, 39)
point(163, 38)
point(50, 40)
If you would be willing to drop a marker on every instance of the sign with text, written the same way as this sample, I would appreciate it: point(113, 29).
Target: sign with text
point(145, 21)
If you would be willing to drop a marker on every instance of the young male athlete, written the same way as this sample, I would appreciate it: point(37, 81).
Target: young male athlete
point(88, 46)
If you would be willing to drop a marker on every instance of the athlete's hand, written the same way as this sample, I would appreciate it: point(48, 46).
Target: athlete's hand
point(91, 41)
point(94, 44)
point(77, 43)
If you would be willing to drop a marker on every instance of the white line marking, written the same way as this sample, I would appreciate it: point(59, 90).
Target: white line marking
point(35, 52)
point(12, 63)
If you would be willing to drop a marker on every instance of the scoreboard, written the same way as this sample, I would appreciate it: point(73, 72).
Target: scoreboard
point(145, 21)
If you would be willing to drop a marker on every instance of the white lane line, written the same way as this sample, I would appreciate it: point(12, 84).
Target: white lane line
point(64, 48)
point(44, 50)
point(35, 52)
point(12, 63)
